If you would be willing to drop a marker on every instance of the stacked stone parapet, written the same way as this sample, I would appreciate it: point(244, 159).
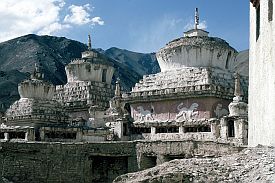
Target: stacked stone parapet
point(74, 134)
point(202, 136)
point(84, 93)
point(186, 81)
point(77, 61)
point(60, 119)
point(190, 122)
point(31, 108)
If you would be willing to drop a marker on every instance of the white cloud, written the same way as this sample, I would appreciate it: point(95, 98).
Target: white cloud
point(27, 16)
point(80, 15)
point(20, 17)
point(97, 20)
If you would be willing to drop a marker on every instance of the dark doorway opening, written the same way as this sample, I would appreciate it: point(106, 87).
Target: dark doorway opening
point(105, 169)
point(231, 128)
point(104, 75)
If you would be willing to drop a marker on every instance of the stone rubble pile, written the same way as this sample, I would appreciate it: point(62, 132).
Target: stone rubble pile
point(251, 165)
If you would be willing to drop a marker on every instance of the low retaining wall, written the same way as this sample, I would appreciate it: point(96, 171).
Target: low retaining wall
point(94, 162)
point(65, 162)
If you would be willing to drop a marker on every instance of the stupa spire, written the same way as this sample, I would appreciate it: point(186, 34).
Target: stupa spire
point(237, 91)
point(117, 90)
point(89, 42)
point(37, 73)
point(197, 18)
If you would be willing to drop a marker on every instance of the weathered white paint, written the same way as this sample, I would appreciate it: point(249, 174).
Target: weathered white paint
point(237, 107)
point(116, 127)
point(80, 70)
point(195, 32)
point(261, 79)
point(36, 89)
point(89, 54)
point(196, 49)
point(89, 68)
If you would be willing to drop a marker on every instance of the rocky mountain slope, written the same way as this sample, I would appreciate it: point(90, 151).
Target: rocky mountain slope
point(19, 56)
point(253, 165)
point(242, 66)
point(142, 63)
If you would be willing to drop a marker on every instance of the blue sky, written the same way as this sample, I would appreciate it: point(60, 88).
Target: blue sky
point(137, 25)
point(147, 25)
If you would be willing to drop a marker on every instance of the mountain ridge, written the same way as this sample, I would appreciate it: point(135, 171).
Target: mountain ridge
point(19, 56)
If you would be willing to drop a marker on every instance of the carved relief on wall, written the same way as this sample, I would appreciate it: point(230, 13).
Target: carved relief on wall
point(187, 113)
point(144, 114)
point(173, 110)
point(220, 110)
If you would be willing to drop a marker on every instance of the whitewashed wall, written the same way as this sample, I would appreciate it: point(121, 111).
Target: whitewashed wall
point(261, 79)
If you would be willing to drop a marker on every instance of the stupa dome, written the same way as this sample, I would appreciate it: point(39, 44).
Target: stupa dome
point(36, 88)
point(196, 49)
point(91, 67)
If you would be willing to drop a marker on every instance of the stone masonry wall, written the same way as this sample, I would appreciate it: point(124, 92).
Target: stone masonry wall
point(151, 153)
point(57, 162)
point(77, 94)
point(95, 162)
point(187, 82)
